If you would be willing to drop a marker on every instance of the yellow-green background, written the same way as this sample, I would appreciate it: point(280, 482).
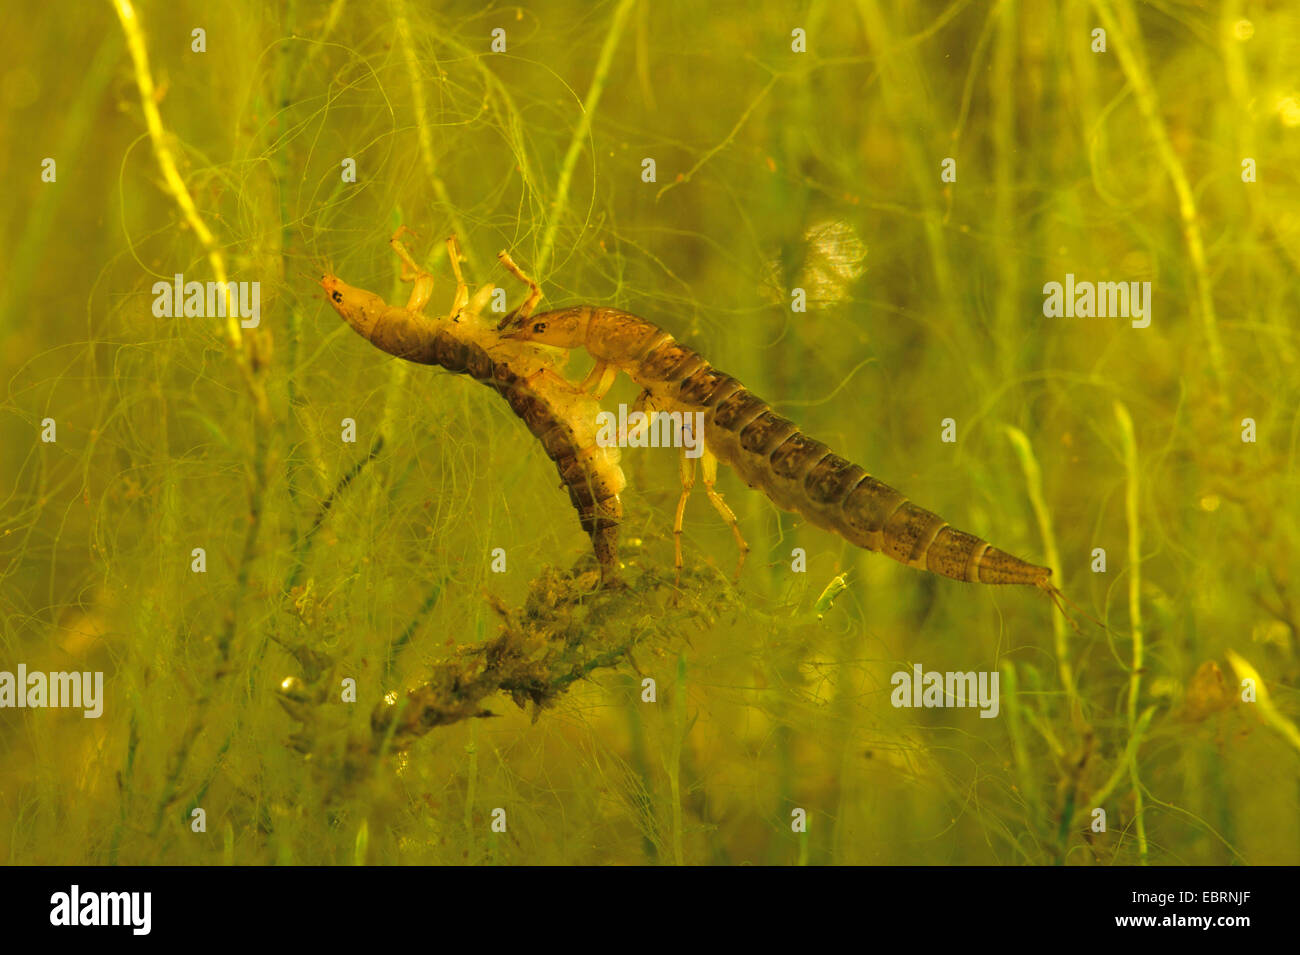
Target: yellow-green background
point(819, 170)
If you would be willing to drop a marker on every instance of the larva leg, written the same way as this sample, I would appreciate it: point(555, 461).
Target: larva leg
point(534, 290)
point(461, 298)
point(709, 465)
point(688, 482)
point(600, 379)
point(645, 405)
point(410, 268)
point(411, 272)
point(553, 377)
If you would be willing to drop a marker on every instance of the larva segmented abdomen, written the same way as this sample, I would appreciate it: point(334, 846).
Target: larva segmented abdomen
point(796, 472)
point(592, 481)
point(593, 489)
point(804, 475)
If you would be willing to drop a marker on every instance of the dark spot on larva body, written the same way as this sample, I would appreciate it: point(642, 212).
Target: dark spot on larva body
point(622, 337)
point(998, 567)
point(738, 410)
point(868, 505)
point(707, 387)
point(797, 456)
point(668, 361)
point(449, 351)
point(766, 433)
point(580, 492)
point(478, 362)
point(831, 480)
point(557, 439)
point(503, 378)
point(908, 532)
point(952, 552)
point(531, 411)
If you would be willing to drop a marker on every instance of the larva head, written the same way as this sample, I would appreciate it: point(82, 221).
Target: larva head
point(563, 329)
point(355, 306)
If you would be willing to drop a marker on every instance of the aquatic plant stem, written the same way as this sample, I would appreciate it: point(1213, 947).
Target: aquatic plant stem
point(1034, 485)
point(1132, 491)
point(581, 132)
point(250, 364)
point(1127, 49)
point(403, 26)
point(167, 163)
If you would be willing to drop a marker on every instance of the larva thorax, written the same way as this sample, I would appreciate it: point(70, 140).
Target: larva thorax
point(642, 349)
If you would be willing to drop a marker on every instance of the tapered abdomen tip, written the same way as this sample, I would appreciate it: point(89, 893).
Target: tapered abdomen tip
point(999, 567)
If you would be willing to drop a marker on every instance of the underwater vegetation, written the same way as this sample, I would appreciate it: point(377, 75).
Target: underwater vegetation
point(275, 592)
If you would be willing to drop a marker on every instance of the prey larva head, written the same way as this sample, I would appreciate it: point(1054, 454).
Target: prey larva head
point(558, 329)
point(355, 306)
